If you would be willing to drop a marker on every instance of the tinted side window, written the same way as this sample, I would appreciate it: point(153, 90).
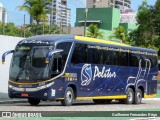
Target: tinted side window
point(133, 60)
point(91, 56)
point(79, 54)
point(111, 58)
point(122, 58)
point(65, 46)
point(153, 60)
point(143, 61)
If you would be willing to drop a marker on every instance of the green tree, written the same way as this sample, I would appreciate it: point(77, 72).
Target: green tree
point(94, 32)
point(156, 24)
point(144, 35)
point(10, 29)
point(38, 29)
point(37, 9)
point(119, 33)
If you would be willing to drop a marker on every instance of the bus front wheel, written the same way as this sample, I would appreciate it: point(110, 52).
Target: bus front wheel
point(33, 102)
point(68, 97)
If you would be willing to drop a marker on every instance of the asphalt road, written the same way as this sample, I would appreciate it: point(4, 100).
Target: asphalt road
point(147, 104)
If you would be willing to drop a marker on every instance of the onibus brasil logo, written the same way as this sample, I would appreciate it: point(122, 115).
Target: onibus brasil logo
point(86, 74)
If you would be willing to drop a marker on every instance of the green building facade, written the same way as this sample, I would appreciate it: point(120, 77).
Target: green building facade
point(107, 19)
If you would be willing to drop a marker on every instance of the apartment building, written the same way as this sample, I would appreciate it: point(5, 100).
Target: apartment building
point(121, 4)
point(3, 14)
point(60, 14)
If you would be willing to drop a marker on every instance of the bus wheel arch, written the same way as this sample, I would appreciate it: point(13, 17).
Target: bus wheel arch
point(142, 89)
point(74, 89)
point(129, 95)
point(69, 95)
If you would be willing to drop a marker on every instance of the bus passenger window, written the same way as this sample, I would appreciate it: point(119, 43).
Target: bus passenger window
point(100, 56)
point(56, 66)
point(153, 60)
point(143, 61)
point(106, 57)
point(65, 46)
point(133, 60)
point(122, 58)
point(112, 58)
point(91, 56)
point(79, 54)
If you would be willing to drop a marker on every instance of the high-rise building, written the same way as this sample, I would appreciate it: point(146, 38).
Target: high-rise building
point(3, 14)
point(121, 4)
point(60, 14)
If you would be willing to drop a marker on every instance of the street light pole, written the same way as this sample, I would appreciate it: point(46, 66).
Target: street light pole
point(85, 23)
point(24, 25)
point(3, 20)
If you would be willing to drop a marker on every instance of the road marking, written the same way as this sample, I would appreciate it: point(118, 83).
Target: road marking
point(150, 118)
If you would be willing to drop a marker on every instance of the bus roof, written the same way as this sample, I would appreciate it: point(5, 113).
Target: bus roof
point(50, 39)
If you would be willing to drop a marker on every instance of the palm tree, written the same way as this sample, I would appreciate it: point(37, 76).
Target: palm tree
point(37, 9)
point(119, 33)
point(93, 31)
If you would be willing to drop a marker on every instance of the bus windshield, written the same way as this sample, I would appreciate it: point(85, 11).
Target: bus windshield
point(28, 64)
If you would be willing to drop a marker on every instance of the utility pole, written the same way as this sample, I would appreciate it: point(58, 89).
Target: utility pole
point(24, 25)
point(62, 25)
point(69, 28)
point(85, 22)
point(43, 26)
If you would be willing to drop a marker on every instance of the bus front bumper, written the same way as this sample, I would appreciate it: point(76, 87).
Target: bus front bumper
point(44, 94)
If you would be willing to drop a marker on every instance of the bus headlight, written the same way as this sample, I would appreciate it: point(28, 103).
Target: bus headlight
point(10, 86)
point(45, 86)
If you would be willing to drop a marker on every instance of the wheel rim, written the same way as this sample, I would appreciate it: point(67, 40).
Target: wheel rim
point(139, 96)
point(130, 96)
point(69, 96)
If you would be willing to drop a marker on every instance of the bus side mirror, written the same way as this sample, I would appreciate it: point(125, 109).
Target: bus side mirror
point(5, 54)
point(49, 54)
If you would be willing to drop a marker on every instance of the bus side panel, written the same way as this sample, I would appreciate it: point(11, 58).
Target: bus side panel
point(152, 81)
point(98, 80)
point(152, 87)
point(74, 77)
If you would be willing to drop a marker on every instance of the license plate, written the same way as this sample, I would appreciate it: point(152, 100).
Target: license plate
point(24, 95)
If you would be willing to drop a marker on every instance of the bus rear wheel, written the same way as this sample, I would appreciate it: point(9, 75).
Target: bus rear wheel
point(101, 101)
point(68, 97)
point(33, 102)
point(130, 96)
point(138, 97)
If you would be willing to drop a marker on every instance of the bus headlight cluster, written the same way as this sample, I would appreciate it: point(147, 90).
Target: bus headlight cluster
point(10, 86)
point(45, 86)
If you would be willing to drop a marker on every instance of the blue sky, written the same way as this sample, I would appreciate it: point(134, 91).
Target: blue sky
point(16, 16)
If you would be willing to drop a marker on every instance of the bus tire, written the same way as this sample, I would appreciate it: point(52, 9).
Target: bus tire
point(68, 97)
point(130, 96)
point(138, 97)
point(33, 102)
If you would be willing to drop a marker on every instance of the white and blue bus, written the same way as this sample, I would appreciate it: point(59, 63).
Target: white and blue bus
point(67, 67)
